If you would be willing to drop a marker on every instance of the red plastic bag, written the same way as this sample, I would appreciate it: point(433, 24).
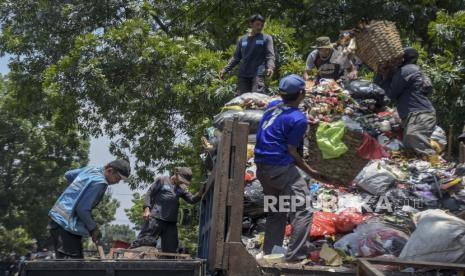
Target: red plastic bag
point(323, 224)
point(288, 230)
point(346, 221)
point(370, 148)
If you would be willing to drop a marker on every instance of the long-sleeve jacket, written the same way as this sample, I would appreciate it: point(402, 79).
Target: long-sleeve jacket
point(255, 55)
point(405, 87)
point(73, 208)
point(163, 198)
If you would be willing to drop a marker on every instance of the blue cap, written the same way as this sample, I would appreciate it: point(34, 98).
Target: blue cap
point(291, 84)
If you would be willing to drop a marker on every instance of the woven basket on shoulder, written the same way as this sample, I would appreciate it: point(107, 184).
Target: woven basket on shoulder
point(343, 169)
point(379, 44)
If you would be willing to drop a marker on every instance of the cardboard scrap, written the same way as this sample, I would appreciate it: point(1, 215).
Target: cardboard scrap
point(331, 257)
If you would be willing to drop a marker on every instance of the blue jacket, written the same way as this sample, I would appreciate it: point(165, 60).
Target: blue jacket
point(72, 210)
point(406, 89)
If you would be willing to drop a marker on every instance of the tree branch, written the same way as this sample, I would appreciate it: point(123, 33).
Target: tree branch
point(161, 24)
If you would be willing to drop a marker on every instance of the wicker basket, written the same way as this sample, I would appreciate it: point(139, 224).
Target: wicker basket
point(379, 44)
point(343, 169)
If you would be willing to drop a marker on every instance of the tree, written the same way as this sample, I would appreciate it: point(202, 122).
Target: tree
point(146, 73)
point(135, 213)
point(33, 159)
point(15, 240)
point(105, 211)
point(447, 67)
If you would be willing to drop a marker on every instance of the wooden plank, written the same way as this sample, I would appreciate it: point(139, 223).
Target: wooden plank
point(216, 244)
point(433, 265)
point(236, 194)
point(235, 204)
point(462, 152)
point(365, 268)
point(240, 261)
point(450, 143)
point(210, 180)
point(297, 268)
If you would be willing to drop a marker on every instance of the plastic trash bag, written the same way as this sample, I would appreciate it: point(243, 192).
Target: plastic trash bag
point(439, 135)
point(352, 124)
point(329, 139)
point(362, 89)
point(375, 178)
point(346, 221)
point(349, 201)
point(438, 140)
point(253, 200)
point(439, 237)
point(288, 230)
point(253, 117)
point(376, 239)
point(251, 101)
point(370, 148)
point(323, 223)
point(349, 244)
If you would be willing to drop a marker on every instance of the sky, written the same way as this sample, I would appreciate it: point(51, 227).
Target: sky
point(100, 155)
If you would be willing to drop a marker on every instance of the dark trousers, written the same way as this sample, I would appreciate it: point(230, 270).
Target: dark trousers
point(66, 244)
point(418, 128)
point(253, 84)
point(155, 228)
point(286, 181)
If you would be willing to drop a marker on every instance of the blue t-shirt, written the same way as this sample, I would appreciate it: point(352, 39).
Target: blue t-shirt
point(280, 126)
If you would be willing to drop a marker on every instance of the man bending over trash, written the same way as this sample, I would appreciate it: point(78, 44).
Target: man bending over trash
point(280, 133)
point(161, 205)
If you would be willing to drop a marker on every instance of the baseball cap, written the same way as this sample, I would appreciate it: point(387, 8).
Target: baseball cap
point(184, 174)
point(291, 84)
point(122, 167)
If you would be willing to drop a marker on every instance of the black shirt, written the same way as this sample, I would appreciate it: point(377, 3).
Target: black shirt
point(163, 198)
point(255, 54)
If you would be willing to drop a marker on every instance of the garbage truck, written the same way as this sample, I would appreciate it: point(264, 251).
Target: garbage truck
point(220, 250)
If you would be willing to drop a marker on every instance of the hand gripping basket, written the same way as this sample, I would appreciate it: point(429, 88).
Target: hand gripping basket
point(378, 43)
point(338, 170)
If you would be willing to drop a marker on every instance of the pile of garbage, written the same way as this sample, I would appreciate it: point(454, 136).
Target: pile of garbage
point(395, 205)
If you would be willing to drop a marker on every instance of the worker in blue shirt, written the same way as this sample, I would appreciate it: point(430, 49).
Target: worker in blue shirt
point(281, 132)
point(70, 217)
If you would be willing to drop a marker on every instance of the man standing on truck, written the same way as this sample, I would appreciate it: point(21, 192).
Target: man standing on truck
point(409, 87)
point(255, 53)
point(161, 205)
point(70, 217)
point(329, 62)
point(281, 132)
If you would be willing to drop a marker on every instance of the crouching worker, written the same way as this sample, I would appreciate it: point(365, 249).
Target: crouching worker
point(70, 217)
point(161, 205)
point(409, 87)
point(280, 133)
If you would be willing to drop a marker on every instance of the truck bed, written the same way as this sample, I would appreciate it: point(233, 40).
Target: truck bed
point(195, 267)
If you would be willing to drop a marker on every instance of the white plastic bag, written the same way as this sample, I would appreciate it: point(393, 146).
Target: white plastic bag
point(439, 237)
point(375, 178)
